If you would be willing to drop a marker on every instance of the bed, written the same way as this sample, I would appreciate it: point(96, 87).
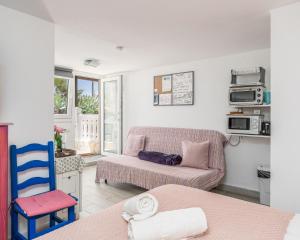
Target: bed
point(228, 218)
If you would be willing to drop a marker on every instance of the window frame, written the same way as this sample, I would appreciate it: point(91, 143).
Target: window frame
point(68, 115)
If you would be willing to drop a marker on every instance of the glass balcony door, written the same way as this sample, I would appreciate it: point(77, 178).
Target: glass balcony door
point(111, 115)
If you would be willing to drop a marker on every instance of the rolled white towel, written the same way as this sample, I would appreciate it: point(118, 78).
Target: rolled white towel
point(140, 207)
point(294, 226)
point(169, 225)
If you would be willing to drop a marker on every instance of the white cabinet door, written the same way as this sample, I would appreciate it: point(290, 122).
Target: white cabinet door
point(70, 184)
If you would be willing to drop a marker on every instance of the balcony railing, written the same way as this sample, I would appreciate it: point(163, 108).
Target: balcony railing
point(87, 132)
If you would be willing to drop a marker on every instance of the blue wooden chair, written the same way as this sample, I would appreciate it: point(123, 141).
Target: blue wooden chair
point(40, 205)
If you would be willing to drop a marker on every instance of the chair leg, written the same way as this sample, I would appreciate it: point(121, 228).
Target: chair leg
point(71, 214)
point(31, 228)
point(52, 219)
point(14, 224)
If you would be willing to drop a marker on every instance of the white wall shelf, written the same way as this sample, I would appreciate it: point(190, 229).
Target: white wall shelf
point(248, 135)
point(251, 106)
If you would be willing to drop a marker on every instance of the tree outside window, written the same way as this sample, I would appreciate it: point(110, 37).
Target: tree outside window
point(87, 95)
point(61, 89)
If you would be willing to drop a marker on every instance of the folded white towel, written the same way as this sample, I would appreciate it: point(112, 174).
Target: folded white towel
point(140, 207)
point(169, 225)
point(294, 226)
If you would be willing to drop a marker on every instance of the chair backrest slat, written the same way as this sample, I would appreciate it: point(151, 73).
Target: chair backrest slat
point(33, 164)
point(32, 181)
point(35, 147)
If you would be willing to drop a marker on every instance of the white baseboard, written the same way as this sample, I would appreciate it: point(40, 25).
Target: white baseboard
point(238, 190)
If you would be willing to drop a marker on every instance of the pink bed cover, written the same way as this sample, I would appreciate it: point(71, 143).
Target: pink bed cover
point(228, 218)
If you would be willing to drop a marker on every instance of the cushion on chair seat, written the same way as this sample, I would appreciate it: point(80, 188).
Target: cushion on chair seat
point(45, 203)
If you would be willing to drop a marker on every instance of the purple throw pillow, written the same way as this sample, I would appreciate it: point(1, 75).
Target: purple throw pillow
point(160, 158)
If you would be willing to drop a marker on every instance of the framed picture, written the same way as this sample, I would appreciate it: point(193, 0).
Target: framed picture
point(174, 89)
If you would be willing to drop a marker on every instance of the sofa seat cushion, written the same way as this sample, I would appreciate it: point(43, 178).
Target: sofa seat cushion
point(127, 169)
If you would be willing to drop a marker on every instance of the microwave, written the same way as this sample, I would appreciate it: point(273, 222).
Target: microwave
point(244, 124)
point(246, 95)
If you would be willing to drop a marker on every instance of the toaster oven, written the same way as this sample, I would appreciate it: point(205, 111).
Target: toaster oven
point(247, 95)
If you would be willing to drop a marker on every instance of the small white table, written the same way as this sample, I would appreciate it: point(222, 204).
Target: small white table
point(69, 178)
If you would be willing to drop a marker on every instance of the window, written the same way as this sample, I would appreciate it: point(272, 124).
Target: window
point(87, 95)
point(61, 95)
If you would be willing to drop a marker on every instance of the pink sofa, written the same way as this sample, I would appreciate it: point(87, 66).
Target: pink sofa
point(126, 169)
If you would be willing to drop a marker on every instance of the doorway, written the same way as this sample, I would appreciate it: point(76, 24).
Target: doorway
point(111, 115)
point(98, 115)
point(87, 120)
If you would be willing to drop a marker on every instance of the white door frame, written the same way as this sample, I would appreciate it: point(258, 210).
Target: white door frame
point(118, 79)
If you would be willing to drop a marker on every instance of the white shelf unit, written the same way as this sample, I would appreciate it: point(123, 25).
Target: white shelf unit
point(252, 106)
point(248, 135)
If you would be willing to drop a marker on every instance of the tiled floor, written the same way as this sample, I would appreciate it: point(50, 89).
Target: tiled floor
point(98, 196)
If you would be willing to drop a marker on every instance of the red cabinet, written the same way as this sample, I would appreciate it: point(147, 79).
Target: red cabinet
point(3, 180)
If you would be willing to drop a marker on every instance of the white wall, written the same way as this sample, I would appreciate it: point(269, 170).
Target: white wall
point(26, 78)
point(26, 75)
point(285, 60)
point(212, 79)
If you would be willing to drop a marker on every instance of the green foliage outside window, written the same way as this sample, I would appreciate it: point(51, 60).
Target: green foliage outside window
point(61, 95)
point(87, 103)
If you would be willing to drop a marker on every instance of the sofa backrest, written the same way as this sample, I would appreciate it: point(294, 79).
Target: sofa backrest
point(168, 140)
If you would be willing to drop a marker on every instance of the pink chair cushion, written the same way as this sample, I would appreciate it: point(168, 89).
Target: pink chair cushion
point(45, 203)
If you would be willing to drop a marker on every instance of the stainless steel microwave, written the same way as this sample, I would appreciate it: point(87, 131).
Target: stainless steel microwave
point(244, 124)
point(252, 95)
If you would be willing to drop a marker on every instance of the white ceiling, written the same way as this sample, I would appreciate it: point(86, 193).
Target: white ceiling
point(156, 32)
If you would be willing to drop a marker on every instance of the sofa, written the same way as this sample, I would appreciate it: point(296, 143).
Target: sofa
point(148, 175)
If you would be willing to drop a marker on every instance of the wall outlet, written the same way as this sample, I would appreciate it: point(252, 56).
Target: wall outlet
point(256, 111)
